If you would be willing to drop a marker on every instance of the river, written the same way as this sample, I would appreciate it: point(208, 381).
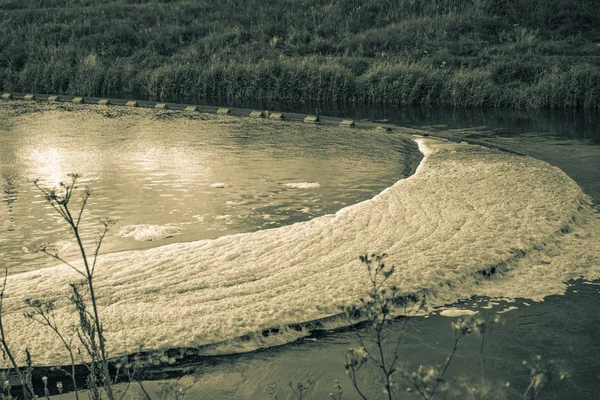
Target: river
point(561, 326)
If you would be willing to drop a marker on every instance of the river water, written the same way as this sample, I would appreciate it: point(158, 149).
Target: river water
point(205, 180)
point(563, 326)
point(568, 139)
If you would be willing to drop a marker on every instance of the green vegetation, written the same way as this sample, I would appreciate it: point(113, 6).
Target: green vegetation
point(466, 53)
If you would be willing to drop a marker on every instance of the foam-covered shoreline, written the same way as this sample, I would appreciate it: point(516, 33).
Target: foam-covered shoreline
point(466, 210)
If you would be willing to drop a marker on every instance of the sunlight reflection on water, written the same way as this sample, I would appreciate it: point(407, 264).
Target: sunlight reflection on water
point(176, 180)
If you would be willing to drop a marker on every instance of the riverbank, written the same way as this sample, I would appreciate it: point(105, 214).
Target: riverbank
point(526, 55)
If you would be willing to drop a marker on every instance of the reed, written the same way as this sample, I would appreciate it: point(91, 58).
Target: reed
point(475, 53)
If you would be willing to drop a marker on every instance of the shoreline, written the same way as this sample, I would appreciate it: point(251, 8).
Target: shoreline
point(190, 109)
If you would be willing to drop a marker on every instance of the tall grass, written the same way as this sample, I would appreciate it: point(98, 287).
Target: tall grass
point(467, 53)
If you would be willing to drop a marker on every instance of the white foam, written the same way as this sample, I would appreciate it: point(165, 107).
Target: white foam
point(145, 232)
point(466, 209)
point(507, 309)
point(456, 312)
point(63, 245)
point(199, 218)
point(218, 185)
point(303, 185)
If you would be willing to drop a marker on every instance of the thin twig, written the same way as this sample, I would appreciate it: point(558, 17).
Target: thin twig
point(58, 258)
point(5, 346)
point(144, 390)
point(83, 203)
point(107, 227)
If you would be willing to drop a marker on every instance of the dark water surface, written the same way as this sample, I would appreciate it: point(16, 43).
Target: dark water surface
point(566, 123)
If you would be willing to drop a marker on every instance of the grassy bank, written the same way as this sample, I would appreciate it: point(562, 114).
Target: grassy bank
point(478, 53)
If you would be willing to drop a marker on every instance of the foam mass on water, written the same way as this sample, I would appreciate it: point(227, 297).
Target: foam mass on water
point(470, 221)
point(145, 232)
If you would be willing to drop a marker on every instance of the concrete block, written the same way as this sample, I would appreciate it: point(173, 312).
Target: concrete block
point(53, 99)
point(224, 111)
point(161, 106)
point(191, 108)
point(29, 97)
point(104, 102)
point(312, 119)
point(276, 116)
point(348, 123)
point(383, 129)
point(78, 100)
point(131, 103)
point(7, 96)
